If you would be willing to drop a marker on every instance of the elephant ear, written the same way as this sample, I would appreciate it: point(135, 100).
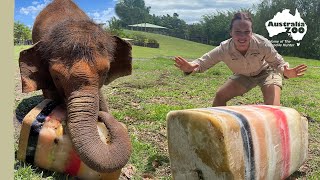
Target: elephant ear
point(122, 63)
point(33, 71)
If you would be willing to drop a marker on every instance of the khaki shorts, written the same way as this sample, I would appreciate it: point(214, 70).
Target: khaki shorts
point(266, 77)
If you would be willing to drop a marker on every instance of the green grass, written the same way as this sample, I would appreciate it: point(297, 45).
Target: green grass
point(143, 99)
point(169, 47)
point(17, 50)
point(151, 92)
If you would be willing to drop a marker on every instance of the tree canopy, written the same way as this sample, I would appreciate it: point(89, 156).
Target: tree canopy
point(21, 33)
point(132, 11)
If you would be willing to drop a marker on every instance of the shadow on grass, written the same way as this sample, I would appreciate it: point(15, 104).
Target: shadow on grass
point(297, 175)
point(26, 105)
point(156, 161)
point(138, 85)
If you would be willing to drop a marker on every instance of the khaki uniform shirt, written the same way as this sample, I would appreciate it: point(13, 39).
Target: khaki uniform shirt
point(260, 55)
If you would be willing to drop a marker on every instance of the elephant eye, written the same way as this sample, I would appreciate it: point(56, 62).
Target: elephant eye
point(104, 75)
point(55, 78)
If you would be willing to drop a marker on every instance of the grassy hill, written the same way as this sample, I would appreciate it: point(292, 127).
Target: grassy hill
point(169, 47)
point(143, 99)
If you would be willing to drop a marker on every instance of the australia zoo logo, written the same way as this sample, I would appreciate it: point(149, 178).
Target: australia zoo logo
point(284, 22)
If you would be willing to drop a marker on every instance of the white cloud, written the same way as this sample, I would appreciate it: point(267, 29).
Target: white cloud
point(102, 16)
point(35, 9)
point(192, 10)
point(35, 2)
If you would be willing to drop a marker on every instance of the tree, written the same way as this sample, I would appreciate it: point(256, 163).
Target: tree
point(216, 27)
point(195, 32)
point(135, 11)
point(132, 11)
point(21, 33)
point(213, 28)
point(176, 27)
point(115, 27)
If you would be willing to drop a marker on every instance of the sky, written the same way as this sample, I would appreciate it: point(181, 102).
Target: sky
point(190, 11)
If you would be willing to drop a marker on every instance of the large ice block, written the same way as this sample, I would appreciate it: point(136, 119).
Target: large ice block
point(236, 142)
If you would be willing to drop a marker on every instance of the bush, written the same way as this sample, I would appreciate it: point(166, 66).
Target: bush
point(142, 40)
point(152, 43)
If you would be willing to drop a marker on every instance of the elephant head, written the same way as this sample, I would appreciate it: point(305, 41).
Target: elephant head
point(71, 61)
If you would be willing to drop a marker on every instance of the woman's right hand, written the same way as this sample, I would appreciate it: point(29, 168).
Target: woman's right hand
point(184, 65)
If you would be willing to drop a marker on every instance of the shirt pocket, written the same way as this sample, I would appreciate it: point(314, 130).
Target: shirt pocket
point(234, 57)
point(256, 60)
point(236, 63)
point(255, 54)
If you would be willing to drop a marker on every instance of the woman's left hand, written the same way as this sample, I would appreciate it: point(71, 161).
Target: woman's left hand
point(294, 72)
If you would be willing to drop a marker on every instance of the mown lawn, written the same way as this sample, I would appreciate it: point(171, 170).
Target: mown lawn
point(169, 46)
point(143, 99)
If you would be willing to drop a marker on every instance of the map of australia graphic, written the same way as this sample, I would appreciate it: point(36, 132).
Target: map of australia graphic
point(284, 22)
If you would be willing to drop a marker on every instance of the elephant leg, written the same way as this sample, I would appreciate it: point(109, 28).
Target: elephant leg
point(103, 105)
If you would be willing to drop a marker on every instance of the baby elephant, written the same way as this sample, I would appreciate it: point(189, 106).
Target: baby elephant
point(70, 61)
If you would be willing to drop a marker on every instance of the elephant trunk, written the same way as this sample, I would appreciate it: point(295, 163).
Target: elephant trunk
point(82, 125)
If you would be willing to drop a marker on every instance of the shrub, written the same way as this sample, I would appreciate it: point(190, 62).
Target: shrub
point(141, 40)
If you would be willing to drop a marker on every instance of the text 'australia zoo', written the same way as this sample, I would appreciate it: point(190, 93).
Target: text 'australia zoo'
point(294, 26)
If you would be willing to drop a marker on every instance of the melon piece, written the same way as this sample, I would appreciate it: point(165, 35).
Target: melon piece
point(45, 142)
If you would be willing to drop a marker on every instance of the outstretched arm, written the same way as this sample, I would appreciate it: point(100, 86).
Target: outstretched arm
point(294, 72)
point(184, 65)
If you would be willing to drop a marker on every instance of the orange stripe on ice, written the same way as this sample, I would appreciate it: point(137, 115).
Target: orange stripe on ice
point(74, 164)
point(285, 138)
point(259, 138)
point(43, 155)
